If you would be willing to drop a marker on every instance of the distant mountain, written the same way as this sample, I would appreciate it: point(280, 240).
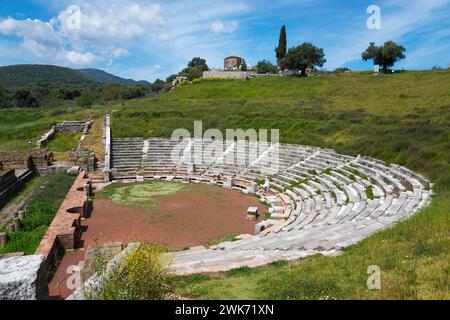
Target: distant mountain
point(107, 78)
point(26, 74)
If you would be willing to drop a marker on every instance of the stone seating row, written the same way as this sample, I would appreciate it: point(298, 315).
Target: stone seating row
point(319, 201)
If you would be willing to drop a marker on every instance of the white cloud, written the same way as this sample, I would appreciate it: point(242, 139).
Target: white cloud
point(101, 34)
point(119, 53)
point(398, 20)
point(80, 59)
point(219, 26)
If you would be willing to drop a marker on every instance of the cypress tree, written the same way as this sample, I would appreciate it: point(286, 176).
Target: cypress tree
point(282, 43)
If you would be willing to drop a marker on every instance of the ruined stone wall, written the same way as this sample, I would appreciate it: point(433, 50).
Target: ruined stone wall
point(41, 159)
point(71, 127)
point(219, 74)
point(7, 178)
point(65, 229)
point(10, 161)
point(16, 185)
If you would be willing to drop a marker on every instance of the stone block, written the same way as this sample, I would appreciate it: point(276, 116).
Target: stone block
point(17, 225)
point(229, 183)
point(3, 239)
point(23, 278)
point(253, 188)
point(252, 213)
point(191, 168)
point(10, 228)
point(73, 171)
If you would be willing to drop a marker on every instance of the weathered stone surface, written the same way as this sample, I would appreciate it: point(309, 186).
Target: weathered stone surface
point(116, 263)
point(317, 197)
point(73, 171)
point(3, 238)
point(23, 278)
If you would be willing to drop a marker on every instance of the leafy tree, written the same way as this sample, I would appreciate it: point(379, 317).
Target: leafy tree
point(67, 94)
point(159, 85)
point(112, 92)
point(264, 66)
point(86, 100)
point(170, 78)
point(282, 43)
point(195, 69)
point(386, 55)
point(133, 92)
point(24, 99)
point(192, 73)
point(341, 70)
point(302, 57)
point(244, 66)
point(198, 63)
point(3, 98)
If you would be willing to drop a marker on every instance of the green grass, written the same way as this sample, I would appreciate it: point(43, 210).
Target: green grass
point(413, 257)
point(63, 142)
point(401, 118)
point(369, 192)
point(30, 187)
point(213, 242)
point(17, 126)
point(140, 195)
point(42, 207)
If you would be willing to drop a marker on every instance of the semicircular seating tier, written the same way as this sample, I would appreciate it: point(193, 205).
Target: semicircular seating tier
point(320, 201)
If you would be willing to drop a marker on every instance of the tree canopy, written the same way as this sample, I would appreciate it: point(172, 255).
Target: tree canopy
point(198, 63)
point(264, 66)
point(86, 100)
point(386, 55)
point(24, 99)
point(3, 100)
point(282, 43)
point(195, 69)
point(244, 66)
point(302, 57)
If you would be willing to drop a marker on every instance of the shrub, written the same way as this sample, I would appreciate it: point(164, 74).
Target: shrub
point(142, 276)
point(86, 100)
point(264, 67)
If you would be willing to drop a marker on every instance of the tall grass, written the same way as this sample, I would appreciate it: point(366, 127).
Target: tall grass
point(42, 207)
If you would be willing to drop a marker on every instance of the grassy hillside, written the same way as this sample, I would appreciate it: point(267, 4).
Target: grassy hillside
point(402, 118)
point(17, 126)
point(22, 75)
point(107, 78)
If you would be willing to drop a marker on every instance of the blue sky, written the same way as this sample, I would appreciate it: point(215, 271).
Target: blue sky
point(144, 39)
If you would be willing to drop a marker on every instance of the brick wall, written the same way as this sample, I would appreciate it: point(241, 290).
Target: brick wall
point(65, 229)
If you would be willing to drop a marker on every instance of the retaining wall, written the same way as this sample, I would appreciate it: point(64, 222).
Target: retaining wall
point(65, 229)
point(240, 75)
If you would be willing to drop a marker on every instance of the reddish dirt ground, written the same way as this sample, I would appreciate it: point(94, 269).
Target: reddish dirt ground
point(193, 216)
point(58, 285)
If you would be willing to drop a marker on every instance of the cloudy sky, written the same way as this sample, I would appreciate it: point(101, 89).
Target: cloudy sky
point(145, 39)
